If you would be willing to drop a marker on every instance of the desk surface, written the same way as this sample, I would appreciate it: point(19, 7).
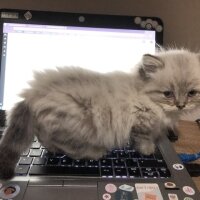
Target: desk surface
point(189, 141)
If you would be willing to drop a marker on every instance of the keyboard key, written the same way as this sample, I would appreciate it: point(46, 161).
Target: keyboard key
point(22, 169)
point(53, 161)
point(135, 154)
point(106, 171)
point(79, 163)
point(36, 145)
point(66, 161)
point(148, 169)
point(148, 157)
point(164, 172)
point(93, 163)
point(112, 154)
point(25, 161)
point(123, 154)
point(35, 152)
point(47, 153)
point(60, 170)
point(131, 163)
point(150, 174)
point(106, 162)
point(120, 172)
point(39, 161)
point(134, 172)
point(118, 162)
point(152, 163)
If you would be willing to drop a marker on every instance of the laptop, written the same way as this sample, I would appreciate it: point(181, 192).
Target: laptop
point(35, 40)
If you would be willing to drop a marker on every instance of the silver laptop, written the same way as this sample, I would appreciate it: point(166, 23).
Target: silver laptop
point(34, 40)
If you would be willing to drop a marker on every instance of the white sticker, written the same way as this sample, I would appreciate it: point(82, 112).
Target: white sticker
point(188, 190)
point(9, 191)
point(173, 196)
point(148, 191)
point(110, 188)
point(170, 185)
point(178, 166)
point(106, 196)
point(127, 188)
point(188, 198)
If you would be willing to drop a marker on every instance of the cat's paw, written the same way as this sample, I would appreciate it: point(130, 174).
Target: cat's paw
point(146, 148)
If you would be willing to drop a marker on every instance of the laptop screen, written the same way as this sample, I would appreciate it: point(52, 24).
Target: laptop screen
point(29, 47)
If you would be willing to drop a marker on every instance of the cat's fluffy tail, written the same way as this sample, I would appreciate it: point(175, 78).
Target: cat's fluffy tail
point(17, 138)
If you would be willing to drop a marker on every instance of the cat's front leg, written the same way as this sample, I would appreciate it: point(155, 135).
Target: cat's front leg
point(142, 141)
point(147, 128)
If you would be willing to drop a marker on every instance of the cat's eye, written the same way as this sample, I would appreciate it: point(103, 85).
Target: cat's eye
point(192, 93)
point(168, 94)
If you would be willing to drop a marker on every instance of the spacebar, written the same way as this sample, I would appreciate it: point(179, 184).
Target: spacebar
point(59, 170)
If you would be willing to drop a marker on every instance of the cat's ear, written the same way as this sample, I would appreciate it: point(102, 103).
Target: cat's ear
point(149, 65)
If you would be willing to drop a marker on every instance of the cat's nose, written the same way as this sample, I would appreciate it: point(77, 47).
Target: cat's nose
point(180, 106)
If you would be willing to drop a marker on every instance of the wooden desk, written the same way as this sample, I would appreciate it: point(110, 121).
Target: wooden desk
point(189, 141)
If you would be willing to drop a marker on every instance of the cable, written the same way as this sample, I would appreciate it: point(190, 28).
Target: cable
point(192, 168)
point(185, 157)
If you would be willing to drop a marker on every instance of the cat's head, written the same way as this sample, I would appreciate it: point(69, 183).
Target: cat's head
point(172, 79)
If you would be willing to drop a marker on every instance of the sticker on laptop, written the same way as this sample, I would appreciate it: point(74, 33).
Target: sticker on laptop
point(9, 191)
point(123, 195)
point(148, 191)
point(188, 190)
point(170, 185)
point(173, 196)
point(178, 166)
point(126, 187)
point(188, 198)
point(106, 196)
point(110, 188)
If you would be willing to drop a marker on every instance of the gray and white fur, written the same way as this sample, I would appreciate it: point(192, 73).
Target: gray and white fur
point(85, 114)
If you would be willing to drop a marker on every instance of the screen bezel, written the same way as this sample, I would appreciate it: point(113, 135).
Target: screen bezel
point(76, 19)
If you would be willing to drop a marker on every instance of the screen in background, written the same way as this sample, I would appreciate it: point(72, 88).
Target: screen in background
point(28, 47)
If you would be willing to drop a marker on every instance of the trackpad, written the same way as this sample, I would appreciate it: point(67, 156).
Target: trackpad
point(66, 192)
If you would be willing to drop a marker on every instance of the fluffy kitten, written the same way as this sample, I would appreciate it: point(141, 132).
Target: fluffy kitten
point(84, 114)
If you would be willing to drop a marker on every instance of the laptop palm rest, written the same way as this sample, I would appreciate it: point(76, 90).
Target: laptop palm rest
point(62, 190)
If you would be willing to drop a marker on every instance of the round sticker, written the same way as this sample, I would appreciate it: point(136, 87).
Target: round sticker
point(188, 198)
point(106, 196)
point(111, 188)
point(9, 191)
point(178, 166)
point(188, 190)
point(170, 185)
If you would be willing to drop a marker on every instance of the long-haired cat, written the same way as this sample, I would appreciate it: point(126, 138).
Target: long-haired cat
point(84, 114)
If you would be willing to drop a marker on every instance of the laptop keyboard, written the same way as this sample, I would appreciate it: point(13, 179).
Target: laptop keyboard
point(124, 162)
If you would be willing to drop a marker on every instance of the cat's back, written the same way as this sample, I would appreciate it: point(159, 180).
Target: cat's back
point(76, 80)
point(64, 75)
